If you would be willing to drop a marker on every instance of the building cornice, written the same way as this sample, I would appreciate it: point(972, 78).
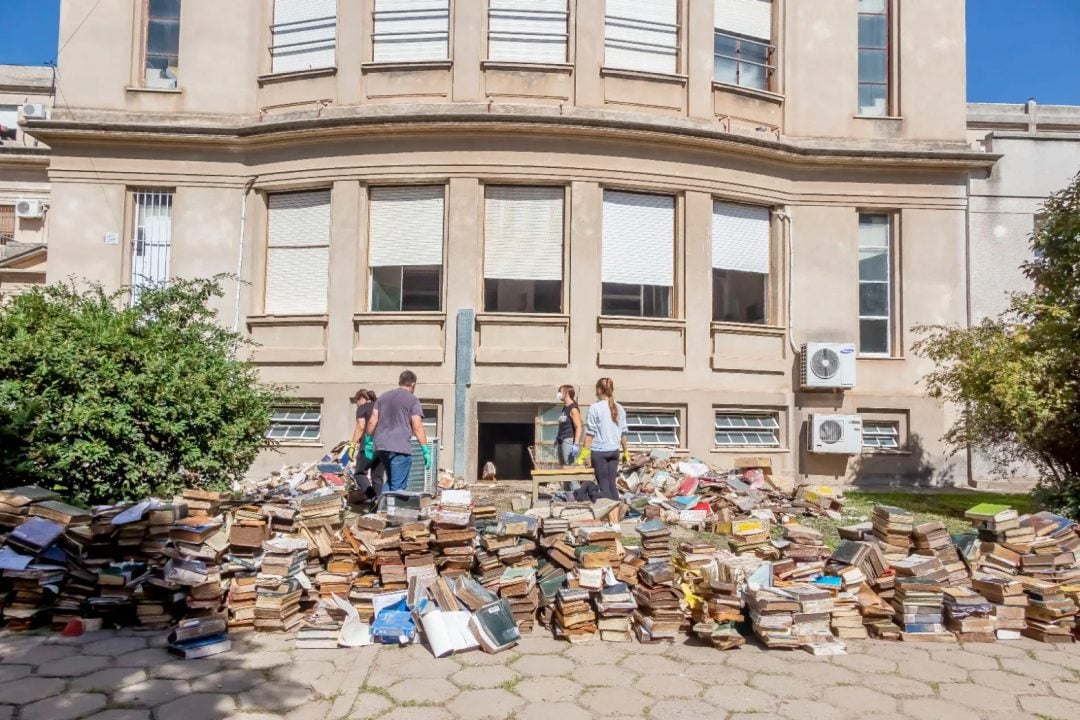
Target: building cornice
point(240, 133)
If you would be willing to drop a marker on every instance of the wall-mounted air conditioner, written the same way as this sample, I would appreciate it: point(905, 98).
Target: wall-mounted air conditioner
point(834, 434)
point(29, 209)
point(34, 111)
point(827, 366)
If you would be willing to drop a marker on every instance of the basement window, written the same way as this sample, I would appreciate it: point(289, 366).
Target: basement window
point(747, 430)
point(654, 429)
point(295, 423)
point(881, 435)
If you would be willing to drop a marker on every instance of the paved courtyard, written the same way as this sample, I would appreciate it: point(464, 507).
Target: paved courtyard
point(128, 676)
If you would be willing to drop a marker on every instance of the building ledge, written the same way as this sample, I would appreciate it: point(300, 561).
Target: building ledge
point(153, 90)
point(669, 78)
point(767, 96)
point(370, 67)
point(268, 320)
point(271, 78)
point(513, 66)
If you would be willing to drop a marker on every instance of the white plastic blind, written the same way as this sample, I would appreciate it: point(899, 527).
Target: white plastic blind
point(752, 18)
point(152, 244)
point(523, 233)
point(304, 35)
point(298, 253)
point(641, 35)
point(411, 30)
point(527, 30)
point(406, 226)
point(638, 239)
point(740, 238)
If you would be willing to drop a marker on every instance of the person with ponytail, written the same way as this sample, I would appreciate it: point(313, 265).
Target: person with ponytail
point(569, 437)
point(605, 437)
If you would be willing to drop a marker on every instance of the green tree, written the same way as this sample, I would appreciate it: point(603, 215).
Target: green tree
point(1017, 377)
point(103, 401)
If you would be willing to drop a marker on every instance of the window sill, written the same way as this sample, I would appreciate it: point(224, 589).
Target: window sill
point(159, 91)
point(749, 450)
point(522, 318)
point(421, 316)
point(671, 78)
point(765, 95)
point(636, 321)
point(890, 358)
point(747, 328)
point(519, 66)
point(271, 78)
point(314, 443)
point(264, 320)
point(893, 118)
point(398, 66)
point(897, 453)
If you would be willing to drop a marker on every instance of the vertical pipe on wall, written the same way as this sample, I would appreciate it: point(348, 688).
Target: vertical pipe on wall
point(463, 367)
point(240, 251)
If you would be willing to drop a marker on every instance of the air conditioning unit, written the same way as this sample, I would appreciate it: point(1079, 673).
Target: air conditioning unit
point(827, 366)
point(34, 111)
point(29, 209)
point(834, 434)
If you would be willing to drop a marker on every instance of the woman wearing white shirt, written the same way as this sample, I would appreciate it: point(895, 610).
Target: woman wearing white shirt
point(605, 436)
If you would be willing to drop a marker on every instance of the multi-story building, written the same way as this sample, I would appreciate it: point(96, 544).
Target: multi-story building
point(1039, 153)
point(24, 179)
point(509, 195)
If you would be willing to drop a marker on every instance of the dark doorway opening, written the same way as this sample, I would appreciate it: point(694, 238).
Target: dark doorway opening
point(506, 445)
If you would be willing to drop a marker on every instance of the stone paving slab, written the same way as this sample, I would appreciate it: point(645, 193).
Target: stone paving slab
point(124, 675)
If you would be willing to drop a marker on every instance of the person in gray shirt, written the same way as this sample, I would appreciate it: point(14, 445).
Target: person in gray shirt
point(395, 419)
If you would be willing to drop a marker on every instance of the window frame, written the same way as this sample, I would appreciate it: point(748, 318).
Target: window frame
point(367, 217)
point(144, 45)
point(777, 429)
point(888, 14)
point(271, 47)
point(132, 235)
point(674, 299)
point(268, 247)
point(680, 31)
point(401, 288)
point(879, 416)
point(7, 211)
point(769, 65)
point(303, 406)
point(645, 411)
point(567, 14)
point(891, 283)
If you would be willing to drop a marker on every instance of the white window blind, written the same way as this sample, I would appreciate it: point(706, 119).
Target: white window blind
point(298, 253)
point(411, 30)
point(304, 35)
point(638, 239)
point(641, 35)
point(652, 428)
point(527, 30)
point(747, 429)
point(750, 18)
point(152, 243)
point(523, 233)
point(740, 238)
point(406, 226)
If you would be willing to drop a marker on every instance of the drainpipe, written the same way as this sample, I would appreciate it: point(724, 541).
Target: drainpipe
point(240, 254)
point(784, 216)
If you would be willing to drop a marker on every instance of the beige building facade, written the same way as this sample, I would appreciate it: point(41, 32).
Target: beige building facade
point(506, 196)
point(24, 180)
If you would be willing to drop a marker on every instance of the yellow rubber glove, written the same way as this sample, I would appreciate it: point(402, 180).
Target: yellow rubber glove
point(626, 457)
point(583, 456)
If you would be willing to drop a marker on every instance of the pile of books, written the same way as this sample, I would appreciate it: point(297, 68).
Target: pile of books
point(969, 615)
point(518, 586)
point(748, 536)
point(278, 588)
point(933, 539)
point(655, 540)
point(659, 616)
point(575, 619)
point(1008, 603)
point(772, 615)
point(919, 599)
point(200, 637)
point(892, 528)
point(615, 606)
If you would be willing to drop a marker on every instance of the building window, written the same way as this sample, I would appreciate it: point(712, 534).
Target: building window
point(742, 44)
point(298, 253)
point(642, 35)
point(431, 420)
point(638, 254)
point(740, 261)
point(7, 224)
point(411, 30)
point(881, 435)
point(9, 123)
point(874, 57)
point(747, 429)
point(523, 249)
point(304, 35)
point(406, 248)
point(655, 429)
point(528, 31)
point(161, 56)
point(295, 423)
point(151, 240)
point(875, 284)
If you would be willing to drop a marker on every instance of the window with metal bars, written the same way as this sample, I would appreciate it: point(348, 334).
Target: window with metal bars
point(881, 435)
point(742, 61)
point(301, 422)
point(151, 242)
point(7, 224)
point(747, 429)
point(874, 57)
point(660, 429)
point(161, 52)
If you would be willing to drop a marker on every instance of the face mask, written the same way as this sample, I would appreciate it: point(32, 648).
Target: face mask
point(559, 396)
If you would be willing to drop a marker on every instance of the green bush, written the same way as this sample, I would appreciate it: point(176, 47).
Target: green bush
point(1017, 377)
point(102, 400)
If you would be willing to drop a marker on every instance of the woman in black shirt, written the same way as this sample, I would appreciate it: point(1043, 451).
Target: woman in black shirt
point(569, 437)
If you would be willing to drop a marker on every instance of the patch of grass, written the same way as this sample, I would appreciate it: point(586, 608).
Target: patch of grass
point(510, 684)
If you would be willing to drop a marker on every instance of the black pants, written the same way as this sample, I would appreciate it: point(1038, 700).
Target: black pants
point(605, 468)
point(371, 483)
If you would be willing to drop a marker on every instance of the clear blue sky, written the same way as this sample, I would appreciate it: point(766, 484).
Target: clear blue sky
point(1017, 49)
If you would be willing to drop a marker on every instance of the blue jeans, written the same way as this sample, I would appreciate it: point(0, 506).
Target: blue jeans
point(397, 469)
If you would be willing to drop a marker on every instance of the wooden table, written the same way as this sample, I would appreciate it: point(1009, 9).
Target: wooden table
point(560, 475)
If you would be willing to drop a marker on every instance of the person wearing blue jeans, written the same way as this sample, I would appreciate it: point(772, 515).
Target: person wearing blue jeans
point(396, 418)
